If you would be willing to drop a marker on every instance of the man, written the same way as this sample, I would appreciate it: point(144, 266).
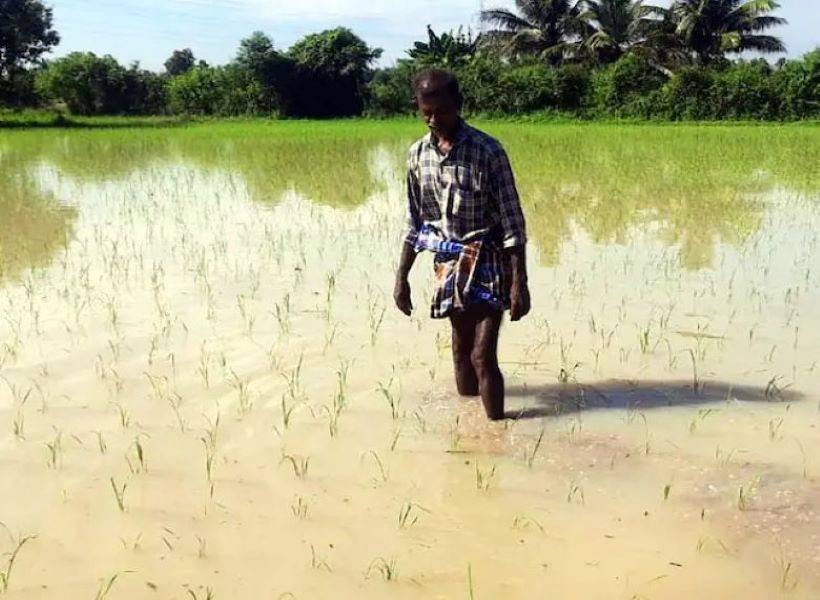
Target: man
point(462, 203)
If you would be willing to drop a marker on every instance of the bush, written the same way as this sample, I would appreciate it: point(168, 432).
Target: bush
point(390, 91)
point(744, 91)
point(796, 84)
point(624, 87)
point(88, 84)
point(223, 91)
point(688, 95)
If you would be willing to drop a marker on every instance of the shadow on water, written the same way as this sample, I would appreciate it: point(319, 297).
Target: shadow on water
point(555, 399)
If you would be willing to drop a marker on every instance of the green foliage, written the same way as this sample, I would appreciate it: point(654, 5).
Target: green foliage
point(797, 86)
point(88, 84)
point(332, 68)
point(180, 61)
point(445, 50)
point(224, 91)
point(391, 90)
point(687, 95)
point(623, 88)
point(25, 35)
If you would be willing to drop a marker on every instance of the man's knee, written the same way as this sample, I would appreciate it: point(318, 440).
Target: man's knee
point(483, 361)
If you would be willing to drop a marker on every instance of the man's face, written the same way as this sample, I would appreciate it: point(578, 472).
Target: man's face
point(440, 113)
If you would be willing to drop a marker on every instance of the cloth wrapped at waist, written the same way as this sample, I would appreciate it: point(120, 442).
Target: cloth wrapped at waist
point(465, 273)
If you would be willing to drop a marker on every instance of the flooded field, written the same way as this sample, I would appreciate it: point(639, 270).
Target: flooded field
point(206, 392)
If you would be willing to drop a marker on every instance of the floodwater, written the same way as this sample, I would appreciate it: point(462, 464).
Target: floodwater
point(207, 393)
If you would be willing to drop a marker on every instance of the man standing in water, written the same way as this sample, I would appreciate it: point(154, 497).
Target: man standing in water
point(463, 205)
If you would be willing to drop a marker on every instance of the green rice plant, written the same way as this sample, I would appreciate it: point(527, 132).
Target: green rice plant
point(530, 456)
point(576, 493)
point(384, 473)
point(455, 435)
point(523, 522)
point(281, 310)
point(243, 394)
point(394, 438)
point(788, 579)
point(124, 417)
point(470, 590)
point(393, 399)
point(18, 424)
point(483, 478)
point(773, 391)
point(697, 386)
point(330, 336)
point(207, 594)
point(119, 493)
point(300, 464)
point(317, 562)
point(421, 421)
point(5, 574)
point(747, 493)
point(408, 514)
point(774, 428)
point(55, 450)
point(140, 465)
point(175, 401)
point(700, 418)
point(385, 568)
point(106, 585)
point(643, 338)
point(287, 411)
point(299, 508)
point(202, 547)
point(209, 442)
point(666, 490)
point(375, 317)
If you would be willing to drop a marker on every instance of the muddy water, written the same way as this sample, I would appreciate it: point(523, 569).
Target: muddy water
point(205, 388)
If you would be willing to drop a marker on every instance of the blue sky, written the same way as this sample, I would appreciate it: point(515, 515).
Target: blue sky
point(149, 30)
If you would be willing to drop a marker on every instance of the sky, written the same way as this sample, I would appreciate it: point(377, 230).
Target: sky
point(149, 30)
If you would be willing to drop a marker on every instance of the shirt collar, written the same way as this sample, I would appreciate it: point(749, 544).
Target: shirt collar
point(462, 132)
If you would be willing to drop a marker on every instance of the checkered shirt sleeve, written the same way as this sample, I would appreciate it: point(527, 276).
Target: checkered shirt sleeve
point(413, 225)
point(513, 224)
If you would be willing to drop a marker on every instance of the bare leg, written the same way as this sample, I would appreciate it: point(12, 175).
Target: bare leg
point(485, 361)
point(463, 338)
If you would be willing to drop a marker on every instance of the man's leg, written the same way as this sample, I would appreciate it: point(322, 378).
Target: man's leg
point(464, 330)
point(484, 359)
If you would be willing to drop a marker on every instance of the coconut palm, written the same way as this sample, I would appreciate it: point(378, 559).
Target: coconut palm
point(617, 26)
point(548, 29)
point(710, 28)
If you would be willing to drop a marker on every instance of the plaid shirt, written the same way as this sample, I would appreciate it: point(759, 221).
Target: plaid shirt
point(465, 194)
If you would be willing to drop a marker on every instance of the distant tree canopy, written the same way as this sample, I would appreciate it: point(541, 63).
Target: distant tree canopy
point(587, 58)
point(25, 35)
point(180, 61)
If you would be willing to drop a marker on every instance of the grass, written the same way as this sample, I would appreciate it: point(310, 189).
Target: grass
point(5, 573)
point(119, 493)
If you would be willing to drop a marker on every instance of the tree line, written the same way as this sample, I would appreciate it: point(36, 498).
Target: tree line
point(588, 58)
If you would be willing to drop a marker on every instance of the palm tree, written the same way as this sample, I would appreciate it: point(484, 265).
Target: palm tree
point(548, 29)
point(618, 26)
point(710, 28)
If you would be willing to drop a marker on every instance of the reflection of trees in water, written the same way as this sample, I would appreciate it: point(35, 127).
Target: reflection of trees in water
point(698, 185)
point(34, 225)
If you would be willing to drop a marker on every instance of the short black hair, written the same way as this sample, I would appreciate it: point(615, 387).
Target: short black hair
point(436, 82)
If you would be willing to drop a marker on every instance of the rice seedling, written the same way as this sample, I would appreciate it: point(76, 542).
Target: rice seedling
point(107, 584)
point(470, 589)
point(385, 568)
point(530, 456)
point(455, 435)
point(383, 472)
point(408, 514)
point(201, 547)
point(393, 399)
point(394, 439)
point(316, 562)
point(243, 394)
point(139, 465)
point(55, 451)
point(788, 580)
point(206, 594)
point(666, 490)
point(132, 544)
point(699, 418)
point(483, 477)
point(299, 508)
point(774, 429)
point(119, 493)
point(576, 493)
point(523, 522)
point(747, 493)
point(375, 317)
point(300, 464)
point(697, 385)
point(5, 574)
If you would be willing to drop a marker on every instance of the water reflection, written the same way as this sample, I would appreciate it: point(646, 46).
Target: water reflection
point(694, 187)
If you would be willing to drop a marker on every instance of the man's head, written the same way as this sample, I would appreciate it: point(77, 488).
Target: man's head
point(439, 100)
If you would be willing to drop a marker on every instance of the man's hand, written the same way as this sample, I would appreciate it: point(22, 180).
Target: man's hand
point(519, 300)
point(401, 295)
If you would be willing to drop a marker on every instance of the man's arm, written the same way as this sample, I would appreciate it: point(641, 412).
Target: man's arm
point(401, 292)
point(513, 226)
